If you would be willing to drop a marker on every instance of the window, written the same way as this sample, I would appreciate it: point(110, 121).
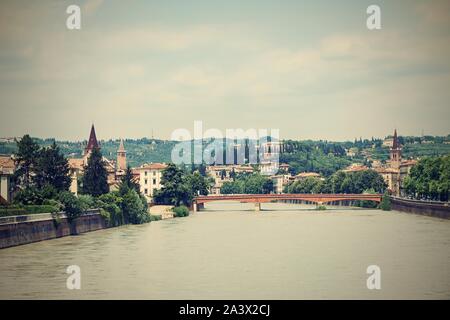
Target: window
point(154, 173)
point(146, 191)
point(145, 173)
point(154, 181)
point(145, 181)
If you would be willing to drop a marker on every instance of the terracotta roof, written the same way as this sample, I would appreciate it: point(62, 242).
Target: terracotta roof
point(308, 174)
point(76, 163)
point(7, 163)
point(3, 201)
point(153, 166)
point(386, 170)
point(354, 168)
point(406, 163)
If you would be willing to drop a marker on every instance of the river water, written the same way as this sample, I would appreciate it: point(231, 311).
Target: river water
point(229, 251)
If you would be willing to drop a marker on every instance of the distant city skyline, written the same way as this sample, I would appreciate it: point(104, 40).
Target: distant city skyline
point(308, 68)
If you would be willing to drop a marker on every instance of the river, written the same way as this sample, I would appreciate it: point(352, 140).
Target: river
point(229, 251)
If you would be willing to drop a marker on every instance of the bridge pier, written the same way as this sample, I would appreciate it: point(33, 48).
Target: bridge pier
point(257, 206)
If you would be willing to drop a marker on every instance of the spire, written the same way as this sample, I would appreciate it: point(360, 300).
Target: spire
point(395, 144)
point(92, 143)
point(121, 147)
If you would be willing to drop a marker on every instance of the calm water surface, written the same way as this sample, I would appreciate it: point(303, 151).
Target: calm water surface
point(231, 252)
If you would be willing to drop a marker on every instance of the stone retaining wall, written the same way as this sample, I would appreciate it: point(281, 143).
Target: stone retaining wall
point(16, 232)
point(427, 208)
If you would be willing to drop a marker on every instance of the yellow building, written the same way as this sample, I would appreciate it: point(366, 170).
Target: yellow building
point(150, 175)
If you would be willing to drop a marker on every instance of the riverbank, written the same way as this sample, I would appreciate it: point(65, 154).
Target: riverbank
point(161, 210)
point(426, 208)
point(18, 230)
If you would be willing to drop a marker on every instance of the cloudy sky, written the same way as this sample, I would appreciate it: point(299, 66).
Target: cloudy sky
point(309, 68)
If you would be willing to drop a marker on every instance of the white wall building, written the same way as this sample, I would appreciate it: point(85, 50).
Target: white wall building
point(150, 178)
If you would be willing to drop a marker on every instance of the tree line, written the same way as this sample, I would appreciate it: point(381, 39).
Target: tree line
point(429, 179)
point(341, 182)
point(42, 177)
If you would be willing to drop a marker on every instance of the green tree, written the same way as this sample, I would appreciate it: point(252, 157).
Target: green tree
point(52, 169)
point(385, 204)
point(197, 183)
point(134, 208)
point(429, 179)
point(232, 187)
point(127, 182)
point(71, 205)
point(25, 160)
point(112, 203)
point(175, 188)
point(95, 178)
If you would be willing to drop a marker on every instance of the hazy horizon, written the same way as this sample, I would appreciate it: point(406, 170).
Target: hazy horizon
point(310, 69)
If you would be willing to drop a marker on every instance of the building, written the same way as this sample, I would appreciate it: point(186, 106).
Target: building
point(150, 175)
point(7, 168)
point(280, 181)
point(121, 158)
point(114, 171)
point(396, 168)
point(224, 173)
point(269, 168)
point(355, 167)
point(304, 175)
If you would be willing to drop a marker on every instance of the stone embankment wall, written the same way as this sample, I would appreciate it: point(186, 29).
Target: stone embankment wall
point(427, 208)
point(19, 230)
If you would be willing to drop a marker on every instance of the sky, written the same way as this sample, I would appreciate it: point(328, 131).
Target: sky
point(311, 69)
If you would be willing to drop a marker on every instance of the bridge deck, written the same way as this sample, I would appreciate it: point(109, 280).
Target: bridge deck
point(317, 198)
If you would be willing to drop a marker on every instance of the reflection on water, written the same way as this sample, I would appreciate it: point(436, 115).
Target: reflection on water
point(229, 251)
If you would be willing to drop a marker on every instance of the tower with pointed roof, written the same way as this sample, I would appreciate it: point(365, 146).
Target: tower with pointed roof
point(395, 152)
point(92, 142)
point(121, 157)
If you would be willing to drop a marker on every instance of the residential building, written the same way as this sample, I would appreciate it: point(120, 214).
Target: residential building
point(150, 175)
point(7, 168)
point(224, 173)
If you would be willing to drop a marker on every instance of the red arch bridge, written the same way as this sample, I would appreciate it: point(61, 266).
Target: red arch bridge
point(257, 199)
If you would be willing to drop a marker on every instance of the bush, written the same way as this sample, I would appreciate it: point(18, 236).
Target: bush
point(34, 209)
point(385, 204)
point(106, 215)
point(52, 202)
point(28, 195)
point(86, 202)
point(133, 207)
point(154, 217)
point(180, 211)
point(71, 205)
point(112, 203)
point(321, 207)
point(6, 211)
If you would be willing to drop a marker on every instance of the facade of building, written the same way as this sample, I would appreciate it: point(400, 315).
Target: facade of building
point(224, 173)
point(150, 175)
point(396, 168)
point(280, 181)
point(7, 168)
